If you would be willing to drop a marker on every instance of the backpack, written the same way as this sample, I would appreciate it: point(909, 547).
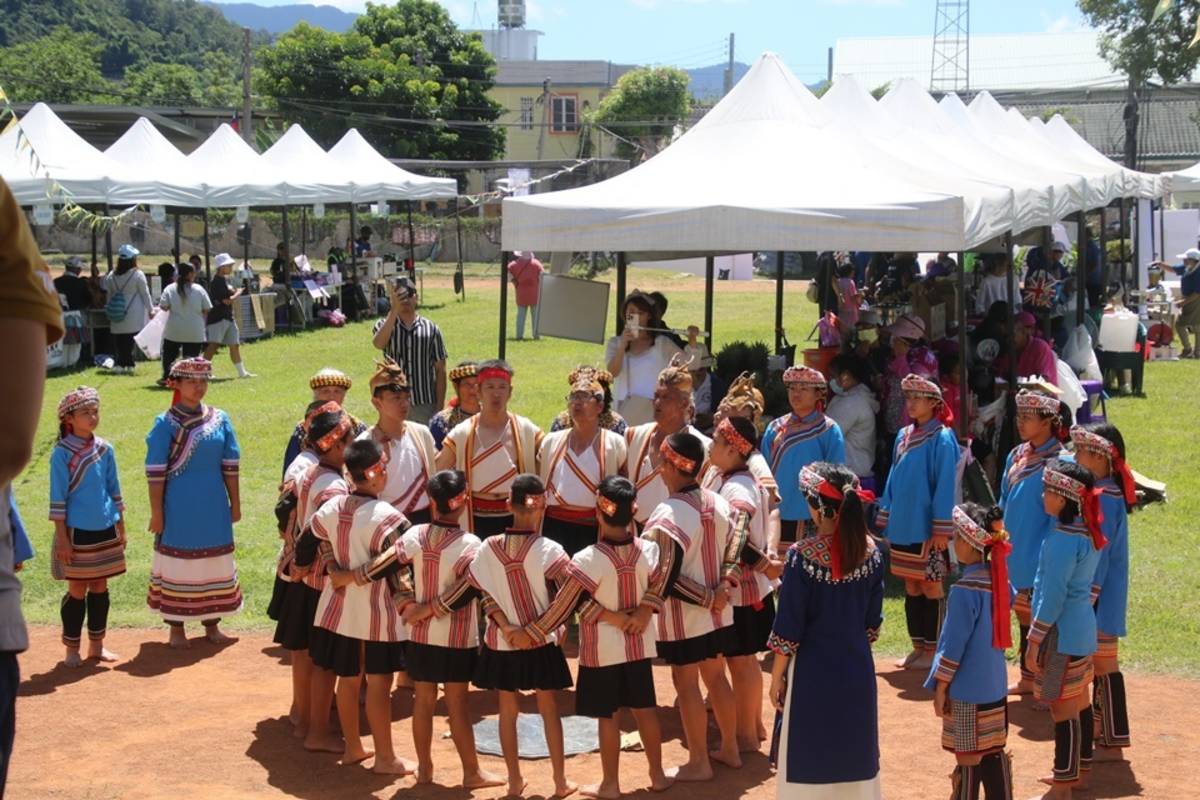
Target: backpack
point(117, 306)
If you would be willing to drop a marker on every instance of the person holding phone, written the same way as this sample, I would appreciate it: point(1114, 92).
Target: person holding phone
point(416, 344)
point(637, 356)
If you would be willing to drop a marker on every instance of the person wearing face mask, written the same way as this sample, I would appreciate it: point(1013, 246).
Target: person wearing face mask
point(637, 356)
point(854, 408)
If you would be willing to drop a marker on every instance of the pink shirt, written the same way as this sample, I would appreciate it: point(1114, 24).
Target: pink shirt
point(1036, 359)
point(526, 273)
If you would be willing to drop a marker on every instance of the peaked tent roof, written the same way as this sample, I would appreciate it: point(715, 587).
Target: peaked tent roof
point(312, 175)
point(375, 178)
point(754, 173)
point(1060, 133)
point(232, 174)
point(143, 150)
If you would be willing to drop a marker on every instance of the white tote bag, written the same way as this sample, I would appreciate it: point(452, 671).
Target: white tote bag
point(150, 338)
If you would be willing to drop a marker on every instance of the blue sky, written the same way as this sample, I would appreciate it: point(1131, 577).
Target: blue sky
point(693, 33)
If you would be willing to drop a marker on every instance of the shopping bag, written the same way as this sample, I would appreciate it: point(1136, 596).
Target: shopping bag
point(150, 338)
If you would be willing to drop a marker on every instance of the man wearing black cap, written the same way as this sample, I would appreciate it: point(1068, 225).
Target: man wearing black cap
point(416, 344)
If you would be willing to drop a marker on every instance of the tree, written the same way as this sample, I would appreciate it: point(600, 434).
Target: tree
point(1144, 40)
point(645, 108)
point(61, 67)
point(164, 85)
point(404, 71)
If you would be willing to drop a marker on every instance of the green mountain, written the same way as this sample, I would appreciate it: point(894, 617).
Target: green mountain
point(281, 19)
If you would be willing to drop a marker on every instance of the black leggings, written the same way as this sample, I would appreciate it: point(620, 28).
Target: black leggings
point(171, 351)
point(124, 343)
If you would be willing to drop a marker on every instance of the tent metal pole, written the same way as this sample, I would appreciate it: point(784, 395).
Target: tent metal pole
point(354, 267)
point(504, 259)
point(108, 248)
point(459, 247)
point(1121, 235)
point(95, 255)
point(778, 301)
point(1162, 229)
point(1081, 267)
point(964, 392)
point(207, 268)
point(304, 230)
point(412, 246)
point(178, 256)
point(621, 274)
point(1104, 277)
point(1135, 277)
point(287, 263)
point(1011, 325)
point(709, 268)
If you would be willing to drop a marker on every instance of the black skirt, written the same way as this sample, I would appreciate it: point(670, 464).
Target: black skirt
point(422, 517)
point(601, 691)
point(433, 663)
point(698, 648)
point(296, 615)
point(751, 628)
point(542, 668)
point(571, 535)
point(484, 526)
point(346, 657)
point(278, 594)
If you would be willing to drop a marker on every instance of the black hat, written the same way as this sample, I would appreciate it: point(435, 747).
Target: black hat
point(660, 302)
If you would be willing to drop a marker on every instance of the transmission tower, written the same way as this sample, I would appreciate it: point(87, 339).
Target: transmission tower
point(951, 67)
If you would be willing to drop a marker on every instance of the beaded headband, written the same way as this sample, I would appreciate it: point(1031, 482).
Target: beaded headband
point(918, 386)
point(730, 434)
point(805, 376)
point(676, 459)
point(76, 399)
point(1084, 439)
point(1063, 485)
point(1036, 402)
point(329, 377)
point(463, 371)
point(968, 530)
point(609, 507)
point(197, 367)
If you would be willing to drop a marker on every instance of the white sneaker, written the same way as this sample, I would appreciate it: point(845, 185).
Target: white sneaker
point(248, 375)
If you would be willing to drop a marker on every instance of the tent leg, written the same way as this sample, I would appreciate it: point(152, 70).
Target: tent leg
point(1081, 267)
point(178, 257)
point(95, 253)
point(108, 248)
point(353, 274)
point(1104, 276)
point(459, 246)
point(246, 245)
point(1010, 328)
point(621, 275)
point(287, 264)
point(778, 301)
point(412, 245)
point(964, 391)
point(504, 259)
point(207, 268)
point(709, 269)
point(304, 230)
point(1121, 235)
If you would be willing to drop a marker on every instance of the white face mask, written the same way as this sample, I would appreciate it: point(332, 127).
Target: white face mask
point(836, 386)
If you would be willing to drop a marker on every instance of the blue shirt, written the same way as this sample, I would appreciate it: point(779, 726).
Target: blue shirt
point(1110, 584)
point(918, 498)
point(976, 671)
point(1190, 282)
point(1062, 590)
point(85, 491)
point(790, 444)
point(22, 547)
point(1025, 515)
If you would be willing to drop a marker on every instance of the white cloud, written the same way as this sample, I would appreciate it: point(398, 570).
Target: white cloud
point(1062, 24)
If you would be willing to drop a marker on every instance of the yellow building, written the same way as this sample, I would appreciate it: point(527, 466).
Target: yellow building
point(545, 102)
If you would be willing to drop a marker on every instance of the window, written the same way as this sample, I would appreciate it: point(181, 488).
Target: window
point(526, 113)
point(564, 117)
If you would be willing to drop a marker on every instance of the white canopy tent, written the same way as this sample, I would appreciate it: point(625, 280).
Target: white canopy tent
point(1060, 134)
point(232, 174)
point(312, 175)
point(144, 150)
point(372, 177)
point(1185, 180)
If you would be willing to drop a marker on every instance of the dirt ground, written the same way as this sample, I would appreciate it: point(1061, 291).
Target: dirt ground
point(212, 722)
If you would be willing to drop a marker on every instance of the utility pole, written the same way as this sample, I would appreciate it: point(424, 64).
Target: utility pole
point(547, 117)
point(729, 69)
point(247, 132)
point(829, 67)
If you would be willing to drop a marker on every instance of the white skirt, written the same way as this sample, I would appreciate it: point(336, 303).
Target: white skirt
point(194, 589)
point(846, 790)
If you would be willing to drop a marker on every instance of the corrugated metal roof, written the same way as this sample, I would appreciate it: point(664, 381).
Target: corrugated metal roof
point(560, 73)
point(997, 61)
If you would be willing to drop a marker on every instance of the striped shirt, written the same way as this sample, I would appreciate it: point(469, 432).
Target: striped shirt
point(416, 349)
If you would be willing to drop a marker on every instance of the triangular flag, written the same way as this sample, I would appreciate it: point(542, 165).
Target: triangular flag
point(1195, 38)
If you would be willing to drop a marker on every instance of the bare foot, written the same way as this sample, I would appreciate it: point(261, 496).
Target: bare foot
point(1021, 687)
point(923, 663)
point(516, 787)
point(178, 639)
point(1066, 786)
point(481, 780)
point(603, 791)
point(72, 659)
point(564, 788)
point(395, 766)
point(424, 773)
point(749, 745)
point(354, 756)
point(660, 783)
point(214, 635)
point(908, 660)
point(294, 716)
point(729, 759)
point(690, 772)
point(324, 744)
point(1102, 753)
point(102, 654)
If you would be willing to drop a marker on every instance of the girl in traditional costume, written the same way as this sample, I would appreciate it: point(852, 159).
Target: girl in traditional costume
point(969, 674)
point(830, 611)
point(89, 523)
point(192, 468)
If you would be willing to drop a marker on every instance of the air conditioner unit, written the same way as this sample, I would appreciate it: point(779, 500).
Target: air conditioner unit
point(512, 13)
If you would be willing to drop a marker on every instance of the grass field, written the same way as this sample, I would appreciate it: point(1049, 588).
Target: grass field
point(1162, 439)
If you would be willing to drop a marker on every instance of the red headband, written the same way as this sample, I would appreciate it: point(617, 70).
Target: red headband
point(730, 434)
point(340, 430)
point(1093, 516)
point(677, 460)
point(375, 470)
point(811, 482)
point(495, 373)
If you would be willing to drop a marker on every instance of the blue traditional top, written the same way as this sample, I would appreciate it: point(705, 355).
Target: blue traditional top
point(976, 671)
point(294, 446)
point(193, 452)
point(85, 490)
point(827, 627)
point(791, 443)
point(918, 498)
point(22, 547)
point(1062, 589)
point(1110, 585)
point(1025, 516)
